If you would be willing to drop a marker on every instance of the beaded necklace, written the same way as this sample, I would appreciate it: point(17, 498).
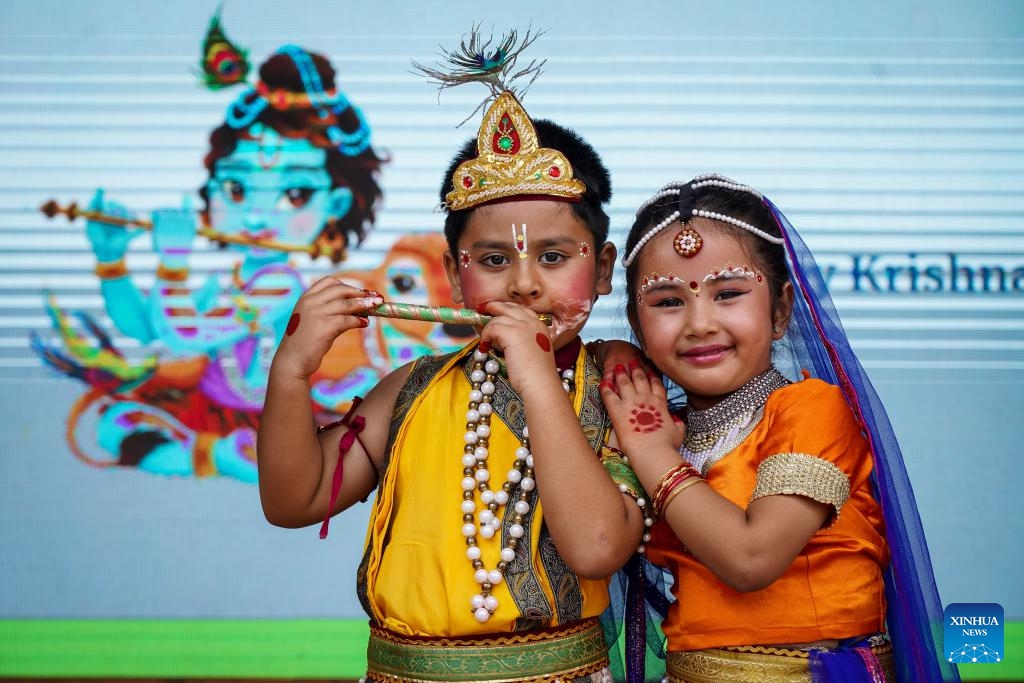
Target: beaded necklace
point(712, 433)
point(476, 477)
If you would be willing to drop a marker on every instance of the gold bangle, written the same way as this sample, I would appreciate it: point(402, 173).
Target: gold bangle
point(171, 274)
point(111, 270)
point(676, 491)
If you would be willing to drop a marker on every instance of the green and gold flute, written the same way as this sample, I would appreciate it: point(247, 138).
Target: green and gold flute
point(437, 314)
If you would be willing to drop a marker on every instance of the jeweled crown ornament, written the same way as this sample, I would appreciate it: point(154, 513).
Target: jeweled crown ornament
point(510, 162)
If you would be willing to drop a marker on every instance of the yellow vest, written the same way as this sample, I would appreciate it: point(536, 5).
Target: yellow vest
point(415, 578)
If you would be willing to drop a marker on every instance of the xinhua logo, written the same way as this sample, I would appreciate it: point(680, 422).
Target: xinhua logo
point(973, 632)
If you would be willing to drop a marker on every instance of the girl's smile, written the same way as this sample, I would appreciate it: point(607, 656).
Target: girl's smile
point(706, 321)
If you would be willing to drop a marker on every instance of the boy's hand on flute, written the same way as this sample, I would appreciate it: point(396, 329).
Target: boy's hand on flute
point(526, 343)
point(326, 310)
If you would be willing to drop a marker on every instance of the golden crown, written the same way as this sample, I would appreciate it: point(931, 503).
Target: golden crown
point(510, 162)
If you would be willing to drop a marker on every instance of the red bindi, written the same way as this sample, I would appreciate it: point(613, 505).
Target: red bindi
point(293, 324)
point(543, 342)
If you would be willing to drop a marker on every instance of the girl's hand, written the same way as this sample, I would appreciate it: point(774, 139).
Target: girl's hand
point(326, 310)
point(608, 354)
point(525, 342)
point(638, 407)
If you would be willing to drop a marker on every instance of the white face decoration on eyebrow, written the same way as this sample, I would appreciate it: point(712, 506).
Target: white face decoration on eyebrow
point(464, 258)
point(650, 280)
point(731, 272)
point(519, 242)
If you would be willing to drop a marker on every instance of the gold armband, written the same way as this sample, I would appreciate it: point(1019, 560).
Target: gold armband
point(802, 475)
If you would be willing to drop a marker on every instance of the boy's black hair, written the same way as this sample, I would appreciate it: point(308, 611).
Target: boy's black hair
point(586, 167)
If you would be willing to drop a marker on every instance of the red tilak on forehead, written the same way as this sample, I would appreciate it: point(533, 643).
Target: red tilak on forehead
point(519, 240)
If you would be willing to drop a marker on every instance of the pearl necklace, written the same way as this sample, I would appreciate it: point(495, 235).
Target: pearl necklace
point(476, 476)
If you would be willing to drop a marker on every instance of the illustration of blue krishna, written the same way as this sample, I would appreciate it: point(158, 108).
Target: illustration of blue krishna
point(291, 170)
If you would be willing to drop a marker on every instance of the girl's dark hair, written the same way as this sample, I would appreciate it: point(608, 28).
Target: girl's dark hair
point(359, 173)
point(747, 207)
point(586, 166)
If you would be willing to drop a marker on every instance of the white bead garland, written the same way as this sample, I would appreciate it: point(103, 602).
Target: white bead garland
point(476, 477)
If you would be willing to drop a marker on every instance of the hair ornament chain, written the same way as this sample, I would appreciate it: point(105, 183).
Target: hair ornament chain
point(684, 192)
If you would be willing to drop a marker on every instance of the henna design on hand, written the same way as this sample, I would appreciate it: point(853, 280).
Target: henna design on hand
point(543, 342)
point(645, 418)
point(293, 324)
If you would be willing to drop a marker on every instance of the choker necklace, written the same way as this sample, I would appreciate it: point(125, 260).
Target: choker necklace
point(476, 476)
point(712, 433)
point(747, 398)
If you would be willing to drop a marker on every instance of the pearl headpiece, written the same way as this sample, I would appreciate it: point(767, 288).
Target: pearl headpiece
point(688, 244)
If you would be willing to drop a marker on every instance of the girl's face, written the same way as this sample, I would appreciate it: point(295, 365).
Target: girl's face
point(706, 321)
point(536, 253)
point(274, 188)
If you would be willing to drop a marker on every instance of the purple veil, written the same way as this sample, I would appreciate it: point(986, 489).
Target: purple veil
point(816, 341)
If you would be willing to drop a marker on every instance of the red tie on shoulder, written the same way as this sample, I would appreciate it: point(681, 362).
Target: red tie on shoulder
point(355, 425)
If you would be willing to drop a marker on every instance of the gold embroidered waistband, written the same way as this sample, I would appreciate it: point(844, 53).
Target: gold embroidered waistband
point(758, 664)
point(562, 653)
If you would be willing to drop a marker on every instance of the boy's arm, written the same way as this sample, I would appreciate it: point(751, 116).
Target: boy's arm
point(296, 467)
point(595, 527)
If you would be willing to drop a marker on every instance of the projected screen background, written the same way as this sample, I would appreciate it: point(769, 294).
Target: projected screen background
point(890, 136)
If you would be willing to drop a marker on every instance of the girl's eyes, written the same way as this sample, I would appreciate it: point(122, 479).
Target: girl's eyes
point(675, 301)
point(295, 198)
point(726, 294)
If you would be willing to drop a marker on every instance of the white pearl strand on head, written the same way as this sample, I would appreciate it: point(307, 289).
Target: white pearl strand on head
point(477, 476)
point(672, 189)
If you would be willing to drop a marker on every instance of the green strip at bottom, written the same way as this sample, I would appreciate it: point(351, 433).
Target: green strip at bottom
point(183, 649)
point(251, 649)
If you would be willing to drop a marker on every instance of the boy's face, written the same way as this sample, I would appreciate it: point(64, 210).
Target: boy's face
point(536, 253)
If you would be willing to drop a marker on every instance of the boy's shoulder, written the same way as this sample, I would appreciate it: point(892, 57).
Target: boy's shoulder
point(424, 369)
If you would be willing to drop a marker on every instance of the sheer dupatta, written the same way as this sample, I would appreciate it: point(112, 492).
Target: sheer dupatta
point(816, 341)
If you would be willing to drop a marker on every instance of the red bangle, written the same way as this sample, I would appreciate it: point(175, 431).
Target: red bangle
point(669, 482)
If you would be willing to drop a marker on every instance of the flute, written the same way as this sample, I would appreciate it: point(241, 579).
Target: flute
point(72, 211)
point(438, 314)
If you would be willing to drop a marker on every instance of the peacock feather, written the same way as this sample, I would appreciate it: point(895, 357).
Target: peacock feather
point(476, 61)
point(222, 62)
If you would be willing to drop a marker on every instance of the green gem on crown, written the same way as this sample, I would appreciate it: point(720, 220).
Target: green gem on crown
point(505, 143)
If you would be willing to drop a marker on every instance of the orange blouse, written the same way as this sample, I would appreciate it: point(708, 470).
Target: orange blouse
point(834, 587)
